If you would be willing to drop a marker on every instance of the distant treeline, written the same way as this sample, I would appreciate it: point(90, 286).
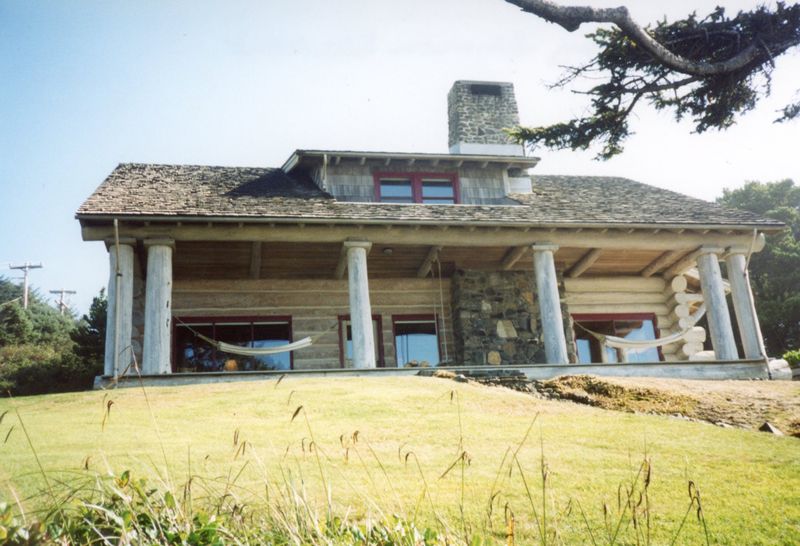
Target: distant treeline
point(43, 351)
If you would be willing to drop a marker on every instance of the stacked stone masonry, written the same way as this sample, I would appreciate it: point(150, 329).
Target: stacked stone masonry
point(479, 112)
point(137, 333)
point(495, 319)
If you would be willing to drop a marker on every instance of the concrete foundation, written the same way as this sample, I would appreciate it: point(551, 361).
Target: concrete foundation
point(717, 370)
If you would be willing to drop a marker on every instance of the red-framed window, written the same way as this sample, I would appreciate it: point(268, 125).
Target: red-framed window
point(193, 354)
point(428, 188)
point(416, 340)
point(634, 326)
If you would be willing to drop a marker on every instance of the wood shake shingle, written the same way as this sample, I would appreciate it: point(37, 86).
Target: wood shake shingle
point(148, 190)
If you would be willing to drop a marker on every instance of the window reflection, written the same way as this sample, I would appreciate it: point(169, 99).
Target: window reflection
point(590, 349)
point(196, 355)
point(416, 343)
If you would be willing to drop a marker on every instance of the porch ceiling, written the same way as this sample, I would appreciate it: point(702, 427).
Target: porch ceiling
point(242, 260)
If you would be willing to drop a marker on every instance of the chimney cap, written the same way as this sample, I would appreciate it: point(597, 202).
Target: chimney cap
point(481, 82)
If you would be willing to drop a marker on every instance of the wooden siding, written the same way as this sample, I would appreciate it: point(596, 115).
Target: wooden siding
point(482, 187)
point(199, 259)
point(353, 182)
point(314, 307)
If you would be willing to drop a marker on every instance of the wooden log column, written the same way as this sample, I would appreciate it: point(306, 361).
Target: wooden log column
point(719, 320)
point(743, 304)
point(158, 307)
point(360, 308)
point(555, 343)
point(119, 318)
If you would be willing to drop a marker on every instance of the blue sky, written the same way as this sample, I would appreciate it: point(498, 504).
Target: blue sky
point(86, 85)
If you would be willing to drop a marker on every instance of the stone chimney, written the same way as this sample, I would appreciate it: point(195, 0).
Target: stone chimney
point(477, 114)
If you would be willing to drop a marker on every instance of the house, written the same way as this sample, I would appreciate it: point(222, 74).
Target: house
point(397, 260)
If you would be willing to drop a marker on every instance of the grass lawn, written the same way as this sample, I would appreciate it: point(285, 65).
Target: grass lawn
point(749, 482)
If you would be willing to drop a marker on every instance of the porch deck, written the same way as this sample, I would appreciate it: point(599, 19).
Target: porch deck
point(714, 369)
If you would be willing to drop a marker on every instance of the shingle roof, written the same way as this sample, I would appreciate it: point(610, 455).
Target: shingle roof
point(146, 190)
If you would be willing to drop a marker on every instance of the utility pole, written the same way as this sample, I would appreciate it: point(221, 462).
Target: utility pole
point(61, 303)
point(26, 267)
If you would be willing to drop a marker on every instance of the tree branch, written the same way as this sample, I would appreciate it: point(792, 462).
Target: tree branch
point(572, 17)
point(654, 87)
point(712, 69)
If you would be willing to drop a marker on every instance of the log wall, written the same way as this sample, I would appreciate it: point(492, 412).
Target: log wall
point(314, 307)
point(627, 294)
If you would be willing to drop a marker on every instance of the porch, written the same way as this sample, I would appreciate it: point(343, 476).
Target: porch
point(283, 283)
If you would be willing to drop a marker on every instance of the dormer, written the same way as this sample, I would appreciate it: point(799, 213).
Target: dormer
point(483, 165)
point(430, 179)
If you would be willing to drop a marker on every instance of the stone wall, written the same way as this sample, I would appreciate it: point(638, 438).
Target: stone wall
point(479, 111)
point(137, 330)
point(495, 319)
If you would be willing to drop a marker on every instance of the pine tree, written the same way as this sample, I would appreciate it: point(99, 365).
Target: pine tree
point(90, 334)
point(16, 326)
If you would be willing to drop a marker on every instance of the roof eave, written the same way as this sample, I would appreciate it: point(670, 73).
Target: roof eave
point(473, 223)
point(297, 155)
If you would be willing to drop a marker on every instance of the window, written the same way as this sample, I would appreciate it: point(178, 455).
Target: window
point(633, 327)
point(346, 341)
point(193, 354)
point(416, 342)
point(427, 188)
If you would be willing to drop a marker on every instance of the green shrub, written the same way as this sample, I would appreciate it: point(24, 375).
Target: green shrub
point(40, 369)
point(44, 351)
point(793, 358)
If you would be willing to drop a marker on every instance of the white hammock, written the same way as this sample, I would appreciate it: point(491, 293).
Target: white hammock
point(622, 343)
point(257, 351)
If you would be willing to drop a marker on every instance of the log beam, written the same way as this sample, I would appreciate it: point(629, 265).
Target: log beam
point(555, 343)
point(627, 283)
point(512, 257)
point(158, 308)
point(684, 264)
point(586, 261)
point(665, 260)
point(425, 266)
point(119, 323)
point(360, 307)
point(719, 319)
point(419, 234)
point(742, 296)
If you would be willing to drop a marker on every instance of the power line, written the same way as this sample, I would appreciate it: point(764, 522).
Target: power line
point(26, 267)
point(62, 305)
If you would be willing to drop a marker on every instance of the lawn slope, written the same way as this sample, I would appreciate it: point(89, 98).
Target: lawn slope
point(384, 446)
